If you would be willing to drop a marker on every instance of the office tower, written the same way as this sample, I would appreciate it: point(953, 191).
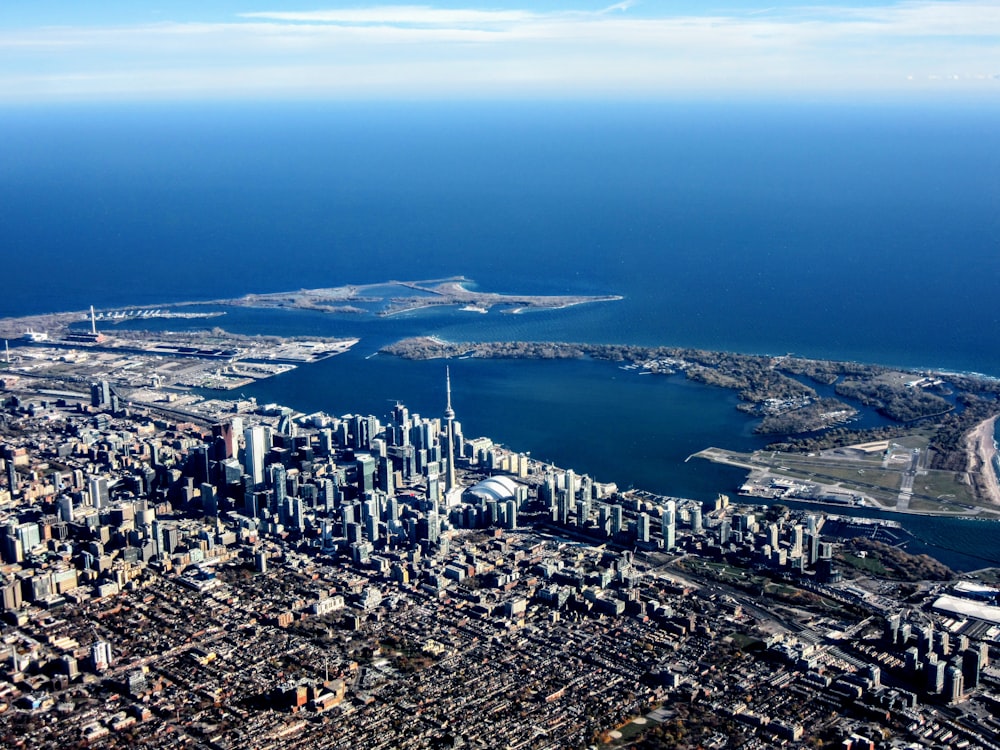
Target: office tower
point(668, 525)
point(725, 531)
point(11, 593)
point(892, 624)
point(238, 434)
point(385, 476)
point(29, 535)
point(925, 641)
point(327, 495)
point(353, 532)
point(69, 666)
point(797, 539)
point(171, 539)
point(198, 463)
point(97, 487)
point(278, 479)
point(12, 483)
point(349, 512)
point(64, 508)
point(935, 674)
point(292, 486)
point(510, 508)
point(256, 448)
point(942, 642)
point(772, 535)
point(616, 519)
point(157, 538)
point(874, 673)
point(604, 518)
point(371, 527)
point(371, 508)
point(366, 473)
point(642, 527)
point(971, 667)
point(209, 502)
point(223, 441)
point(905, 631)
point(400, 416)
point(562, 507)
point(287, 426)
point(570, 479)
point(696, 520)
point(342, 433)
point(359, 432)
point(154, 453)
point(363, 431)
point(100, 394)
point(500, 509)
point(433, 527)
point(434, 489)
point(100, 655)
point(812, 541)
point(296, 515)
point(309, 493)
point(548, 490)
point(421, 433)
point(326, 442)
point(954, 687)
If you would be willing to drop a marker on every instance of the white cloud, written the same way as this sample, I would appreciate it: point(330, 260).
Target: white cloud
point(397, 14)
point(413, 50)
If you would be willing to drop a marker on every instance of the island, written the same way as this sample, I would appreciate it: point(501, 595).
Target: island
point(382, 299)
point(395, 297)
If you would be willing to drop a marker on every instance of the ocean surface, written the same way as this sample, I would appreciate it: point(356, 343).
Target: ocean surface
point(868, 233)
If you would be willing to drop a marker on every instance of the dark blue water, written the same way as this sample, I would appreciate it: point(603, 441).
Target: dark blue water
point(960, 543)
point(591, 416)
point(866, 233)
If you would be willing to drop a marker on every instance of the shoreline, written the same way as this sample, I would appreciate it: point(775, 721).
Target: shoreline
point(734, 458)
point(11, 326)
point(982, 448)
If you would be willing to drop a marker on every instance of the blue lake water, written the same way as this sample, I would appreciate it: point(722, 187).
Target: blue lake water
point(867, 233)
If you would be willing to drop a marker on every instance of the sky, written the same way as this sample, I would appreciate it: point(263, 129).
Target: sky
point(67, 50)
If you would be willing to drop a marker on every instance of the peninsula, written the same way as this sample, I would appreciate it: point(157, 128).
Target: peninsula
point(381, 299)
point(395, 297)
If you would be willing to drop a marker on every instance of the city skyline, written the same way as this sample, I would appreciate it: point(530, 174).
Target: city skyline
point(329, 595)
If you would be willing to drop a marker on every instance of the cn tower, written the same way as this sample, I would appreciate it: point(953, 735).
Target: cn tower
point(449, 416)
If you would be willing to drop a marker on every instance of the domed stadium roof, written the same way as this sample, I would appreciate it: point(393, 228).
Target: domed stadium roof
point(495, 488)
